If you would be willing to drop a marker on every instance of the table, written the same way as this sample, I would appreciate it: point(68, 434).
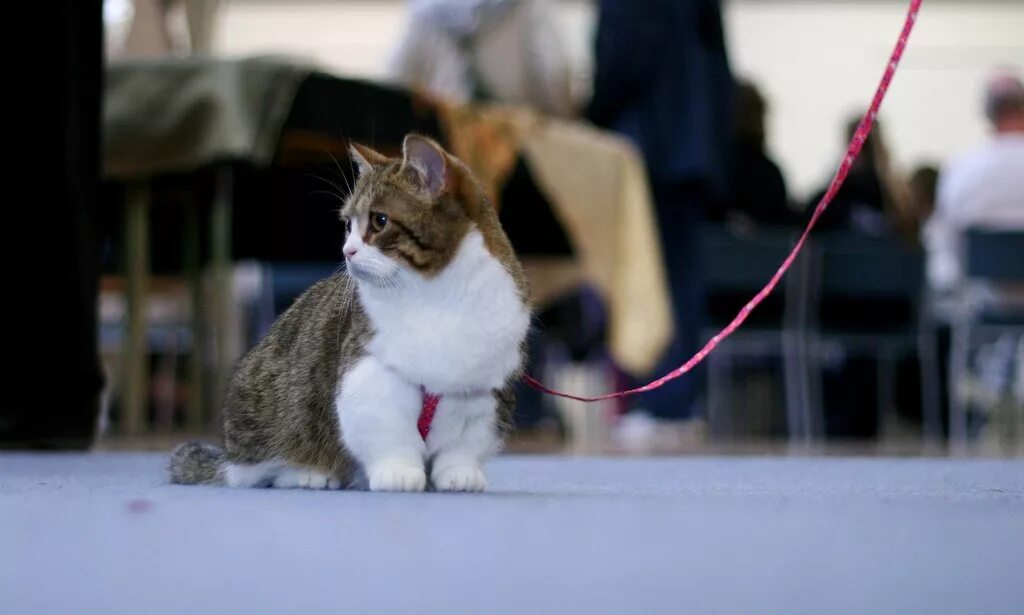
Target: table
point(179, 116)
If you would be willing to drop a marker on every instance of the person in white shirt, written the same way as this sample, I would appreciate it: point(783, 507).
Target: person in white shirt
point(493, 50)
point(983, 188)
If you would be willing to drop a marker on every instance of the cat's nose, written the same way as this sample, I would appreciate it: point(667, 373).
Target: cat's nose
point(350, 251)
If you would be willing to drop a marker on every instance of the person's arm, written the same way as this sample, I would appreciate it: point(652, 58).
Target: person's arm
point(941, 237)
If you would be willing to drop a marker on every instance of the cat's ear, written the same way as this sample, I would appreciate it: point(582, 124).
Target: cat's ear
point(365, 158)
point(428, 161)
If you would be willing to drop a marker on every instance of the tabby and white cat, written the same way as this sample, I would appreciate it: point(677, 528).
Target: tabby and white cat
point(432, 299)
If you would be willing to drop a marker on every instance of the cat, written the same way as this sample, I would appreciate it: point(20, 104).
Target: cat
point(432, 300)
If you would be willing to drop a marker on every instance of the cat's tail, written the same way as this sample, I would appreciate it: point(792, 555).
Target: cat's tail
point(195, 463)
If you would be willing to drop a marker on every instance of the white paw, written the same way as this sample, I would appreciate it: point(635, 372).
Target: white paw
point(459, 478)
point(397, 476)
point(304, 478)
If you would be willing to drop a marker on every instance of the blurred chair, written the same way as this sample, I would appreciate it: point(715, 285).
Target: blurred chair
point(990, 305)
point(735, 268)
point(870, 292)
point(169, 339)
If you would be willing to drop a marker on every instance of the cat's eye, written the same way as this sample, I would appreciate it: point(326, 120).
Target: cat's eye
point(378, 221)
point(348, 225)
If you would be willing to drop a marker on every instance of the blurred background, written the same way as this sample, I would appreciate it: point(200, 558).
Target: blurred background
point(652, 162)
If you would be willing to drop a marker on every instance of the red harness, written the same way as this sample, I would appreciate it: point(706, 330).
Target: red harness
point(427, 413)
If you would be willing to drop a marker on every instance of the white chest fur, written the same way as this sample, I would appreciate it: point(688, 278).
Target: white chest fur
point(459, 331)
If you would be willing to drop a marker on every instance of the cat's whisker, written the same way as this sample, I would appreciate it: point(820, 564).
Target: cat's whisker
point(330, 193)
point(342, 173)
point(328, 181)
point(341, 193)
point(387, 283)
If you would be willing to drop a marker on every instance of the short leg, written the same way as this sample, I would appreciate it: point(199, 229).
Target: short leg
point(377, 411)
point(463, 435)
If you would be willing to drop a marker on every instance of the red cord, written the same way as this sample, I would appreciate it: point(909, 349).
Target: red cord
point(863, 129)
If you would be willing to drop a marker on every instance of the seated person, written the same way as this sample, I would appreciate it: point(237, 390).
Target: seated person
point(982, 188)
point(872, 200)
point(486, 50)
point(758, 189)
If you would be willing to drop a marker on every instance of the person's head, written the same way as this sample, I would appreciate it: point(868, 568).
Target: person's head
point(873, 150)
point(1004, 102)
point(750, 112)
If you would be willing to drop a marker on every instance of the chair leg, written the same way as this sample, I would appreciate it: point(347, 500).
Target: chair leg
point(959, 356)
point(798, 416)
point(886, 369)
point(1011, 403)
point(810, 373)
point(803, 307)
point(720, 417)
point(1017, 391)
point(931, 411)
point(715, 392)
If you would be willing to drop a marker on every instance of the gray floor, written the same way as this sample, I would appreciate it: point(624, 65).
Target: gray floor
point(103, 534)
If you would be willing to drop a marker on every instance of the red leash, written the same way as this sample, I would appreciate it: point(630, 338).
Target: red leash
point(430, 401)
point(851, 154)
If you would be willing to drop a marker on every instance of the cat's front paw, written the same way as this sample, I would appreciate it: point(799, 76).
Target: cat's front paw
point(459, 478)
point(397, 476)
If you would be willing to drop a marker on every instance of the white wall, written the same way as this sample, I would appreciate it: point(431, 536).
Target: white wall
point(350, 38)
point(817, 62)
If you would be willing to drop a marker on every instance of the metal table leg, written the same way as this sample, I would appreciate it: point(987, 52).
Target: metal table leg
point(135, 358)
point(221, 295)
point(193, 273)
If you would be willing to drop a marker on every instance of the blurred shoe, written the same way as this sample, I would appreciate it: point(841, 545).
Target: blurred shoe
point(639, 433)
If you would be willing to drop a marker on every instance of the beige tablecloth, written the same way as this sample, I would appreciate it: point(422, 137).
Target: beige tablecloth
point(175, 115)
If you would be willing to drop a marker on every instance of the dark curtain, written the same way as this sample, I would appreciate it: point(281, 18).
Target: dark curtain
point(52, 374)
